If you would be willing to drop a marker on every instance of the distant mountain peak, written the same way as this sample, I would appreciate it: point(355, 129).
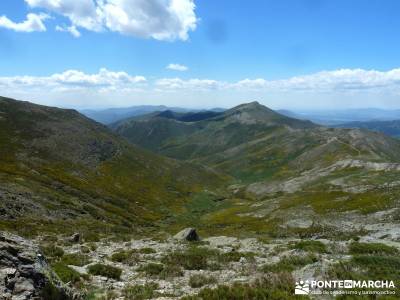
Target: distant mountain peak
point(249, 105)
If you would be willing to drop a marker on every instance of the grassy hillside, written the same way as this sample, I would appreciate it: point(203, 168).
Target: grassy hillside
point(252, 142)
point(291, 175)
point(60, 171)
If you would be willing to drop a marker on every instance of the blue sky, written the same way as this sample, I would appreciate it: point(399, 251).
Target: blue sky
point(286, 54)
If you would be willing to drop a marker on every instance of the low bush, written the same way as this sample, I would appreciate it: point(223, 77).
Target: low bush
point(52, 251)
point(75, 259)
point(372, 248)
point(147, 251)
point(197, 281)
point(140, 292)
point(65, 273)
point(128, 257)
point(105, 270)
point(152, 269)
point(162, 271)
point(280, 286)
point(310, 246)
point(194, 258)
point(290, 263)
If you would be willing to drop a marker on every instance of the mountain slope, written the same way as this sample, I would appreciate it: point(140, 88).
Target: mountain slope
point(252, 142)
point(391, 128)
point(60, 167)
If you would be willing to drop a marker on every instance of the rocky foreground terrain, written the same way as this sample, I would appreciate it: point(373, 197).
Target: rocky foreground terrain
point(187, 267)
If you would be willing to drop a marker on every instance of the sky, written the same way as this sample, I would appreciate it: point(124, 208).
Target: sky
point(286, 54)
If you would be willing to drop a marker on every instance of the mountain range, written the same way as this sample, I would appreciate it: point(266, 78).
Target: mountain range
point(248, 166)
point(338, 116)
point(391, 128)
point(271, 196)
point(112, 115)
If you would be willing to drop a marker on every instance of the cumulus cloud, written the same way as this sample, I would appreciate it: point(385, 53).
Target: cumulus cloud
point(343, 88)
point(177, 67)
point(191, 84)
point(33, 22)
point(82, 13)
point(158, 19)
point(71, 29)
point(73, 79)
point(343, 79)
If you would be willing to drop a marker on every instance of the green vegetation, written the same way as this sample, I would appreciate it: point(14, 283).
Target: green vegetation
point(65, 273)
point(311, 246)
point(290, 263)
point(140, 292)
point(75, 259)
point(194, 258)
point(125, 256)
point(52, 251)
point(105, 270)
point(372, 248)
point(69, 163)
point(162, 271)
point(147, 251)
point(152, 269)
point(197, 281)
point(279, 287)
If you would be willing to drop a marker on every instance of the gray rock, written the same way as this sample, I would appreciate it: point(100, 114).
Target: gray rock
point(24, 272)
point(187, 234)
point(75, 238)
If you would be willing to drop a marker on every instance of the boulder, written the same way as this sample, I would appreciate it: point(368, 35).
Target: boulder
point(187, 234)
point(25, 274)
point(75, 238)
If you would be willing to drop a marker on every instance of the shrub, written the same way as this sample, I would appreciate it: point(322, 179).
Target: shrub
point(194, 258)
point(290, 263)
point(105, 270)
point(372, 248)
point(234, 256)
point(161, 271)
point(75, 259)
point(311, 246)
point(65, 273)
point(170, 271)
point(152, 269)
point(128, 257)
point(140, 292)
point(147, 251)
point(197, 281)
point(52, 251)
point(275, 287)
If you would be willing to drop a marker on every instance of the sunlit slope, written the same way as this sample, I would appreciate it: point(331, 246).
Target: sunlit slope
point(252, 142)
point(58, 167)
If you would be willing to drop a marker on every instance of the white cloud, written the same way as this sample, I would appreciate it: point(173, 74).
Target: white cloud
point(342, 79)
point(191, 84)
point(177, 67)
point(157, 19)
point(73, 79)
point(82, 13)
point(338, 88)
point(71, 29)
point(33, 22)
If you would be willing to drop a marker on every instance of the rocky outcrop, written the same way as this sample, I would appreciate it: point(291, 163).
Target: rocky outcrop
point(25, 274)
point(187, 234)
